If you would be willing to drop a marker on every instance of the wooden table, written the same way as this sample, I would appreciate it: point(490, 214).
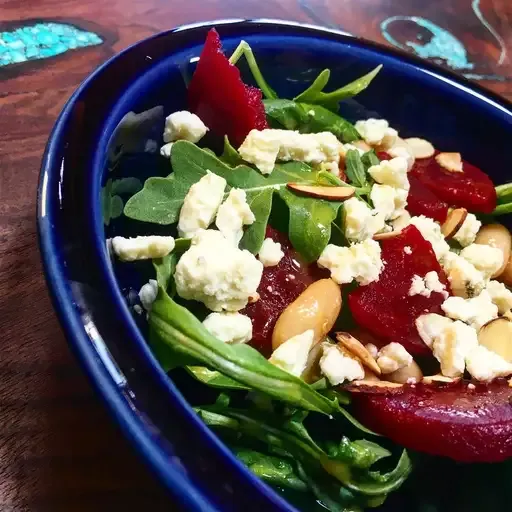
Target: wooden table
point(58, 448)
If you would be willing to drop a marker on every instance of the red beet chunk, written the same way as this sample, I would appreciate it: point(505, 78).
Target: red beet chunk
point(422, 201)
point(452, 421)
point(219, 97)
point(280, 285)
point(471, 189)
point(384, 307)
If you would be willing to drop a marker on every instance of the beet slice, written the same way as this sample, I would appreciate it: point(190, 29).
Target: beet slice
point(280, 285)
point(422, 201)
point(384, 307)
point(471, 189)
point(468, 425)
point(218, 96)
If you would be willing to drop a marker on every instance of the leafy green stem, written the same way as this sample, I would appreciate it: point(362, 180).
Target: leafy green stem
point(244, 49)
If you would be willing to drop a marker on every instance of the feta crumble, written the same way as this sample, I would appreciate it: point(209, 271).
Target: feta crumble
point(165, 150)
point(231, 328)
point(292, 355)
point(216, 273)
point(148, 293)
point(393, 357)
point(484, 258)
point(485, 365)
point(270, 253)
point(407, 250)
point(431, 232)
point(426, 285)
point(461, 272)
point(142, 247)
point(476, 311)
point(184, 125)
point(388, 201)
point(201, 204)
point(376, 132)
point(391, 172)
point(360, 221)
point(338, 367)
point(264, 147)
point(500, 295)
point(361, 262)
point(466, 235)
point(452, 346)
point(233, 214)
point(430, 326)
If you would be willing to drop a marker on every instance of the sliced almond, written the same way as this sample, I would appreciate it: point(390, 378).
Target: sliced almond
point(406, 375)
point(508, 314)
point(496, 336)
point(386, 236)
point(369, 375)
point(454, 222)
point(402, 221)
point(254, 298)
point(330, 193)
point(420, 148)
point(312, 371)
point(376, 383)
point(458, 283)
point(361, 144)
point(438, 378)
point(450, 161)
point(506, 274)
point(497, 236)
point(510, 383)
point(359, 350)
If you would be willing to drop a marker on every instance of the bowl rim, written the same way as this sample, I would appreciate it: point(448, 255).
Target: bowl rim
point(100, 373)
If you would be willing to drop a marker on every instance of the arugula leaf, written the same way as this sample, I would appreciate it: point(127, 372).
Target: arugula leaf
point(355, 170)
point(112, 204)
point(164, 269)
point(176, 327)
point(286, 114)
point(260, 203)
point(369, 159)
point(314, 94)
point(230, 155)
point(360, 454)
point(213, 378)
point(126, 186)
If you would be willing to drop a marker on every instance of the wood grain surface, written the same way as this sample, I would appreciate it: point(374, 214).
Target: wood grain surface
point(58, 448)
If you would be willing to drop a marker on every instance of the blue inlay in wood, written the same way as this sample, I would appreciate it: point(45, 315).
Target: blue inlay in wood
point(41, 41)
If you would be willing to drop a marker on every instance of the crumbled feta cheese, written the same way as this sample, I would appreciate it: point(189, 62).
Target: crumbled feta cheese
point(476, 311)
point(462, 271)
point(372, 349)
point(402, 151)
point(467, 233)
point(452, 346)
point(391, 172)
point(231, 328)
point(264, 147)
point(292, 355)
point(360, 221)
point(388, 200)
point(215, 272)
point(426, 285)
point(393, 357)
point(485, 365)
point(376, 132)
point(500, 295)
point(361, 262)
point(407, 250)
point(184, 125)
point(270, 253)
point(431, 232)
point(165, 150)
point(485, 258)
point(339, 367)
point(430, 326)
point(201, 204)
point(142, 247)
point(233, 214)
point(148, 293)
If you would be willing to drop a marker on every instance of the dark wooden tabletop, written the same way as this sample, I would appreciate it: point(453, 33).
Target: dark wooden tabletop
point(59, 451)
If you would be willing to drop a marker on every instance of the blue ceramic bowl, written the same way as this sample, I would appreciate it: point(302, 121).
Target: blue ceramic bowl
point(89, 145)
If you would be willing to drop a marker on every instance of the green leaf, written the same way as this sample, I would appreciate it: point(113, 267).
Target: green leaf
point(286, 114)
point(175, 326)
point(112, 205)
point(504, 193)
point(277, 471)
point(230, 155)
point(369, 159)
point(164, 268)
point(320, 119)
point(355, 171)
point(260, 203)
point(360, 454)
point(213, 378)
point(126, 186)
point(315, 88)
point(314, 94)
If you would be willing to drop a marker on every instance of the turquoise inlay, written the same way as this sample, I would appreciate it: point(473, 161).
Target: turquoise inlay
point(41, 41)
point(475, 4)
point(443, 45)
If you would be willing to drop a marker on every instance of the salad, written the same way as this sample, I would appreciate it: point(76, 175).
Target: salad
point(339, 293)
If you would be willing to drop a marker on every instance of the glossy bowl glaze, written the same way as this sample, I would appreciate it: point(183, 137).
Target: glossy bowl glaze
point(93, 141)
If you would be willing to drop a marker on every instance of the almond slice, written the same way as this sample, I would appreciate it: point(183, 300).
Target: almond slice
point(420, 148)
point(376, 383)
point(439, 379)
point(330, 193)
point(496, 336)
point(359, 350)
point(386, 236)
point(450, 161)
point(453, 222)
point(361, 144)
